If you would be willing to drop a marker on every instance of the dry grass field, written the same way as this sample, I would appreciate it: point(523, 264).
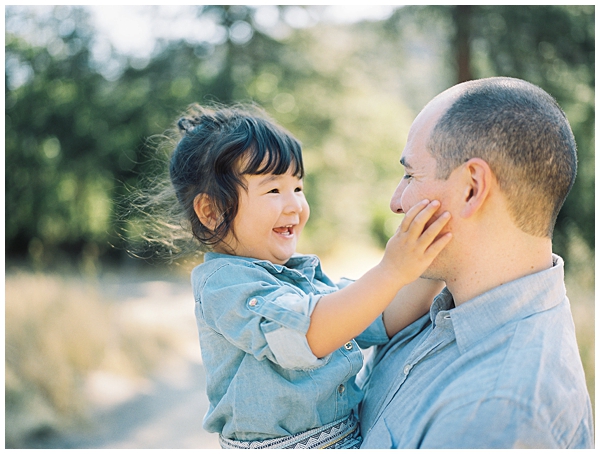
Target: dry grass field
point(61, 332)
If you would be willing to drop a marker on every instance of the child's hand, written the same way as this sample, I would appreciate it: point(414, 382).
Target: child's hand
point(413, 247)
point(342, 315)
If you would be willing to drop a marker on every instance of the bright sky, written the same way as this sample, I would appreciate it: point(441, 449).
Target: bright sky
point(133, 29)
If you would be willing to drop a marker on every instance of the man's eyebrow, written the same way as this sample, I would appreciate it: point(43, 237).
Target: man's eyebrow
point(404, 163)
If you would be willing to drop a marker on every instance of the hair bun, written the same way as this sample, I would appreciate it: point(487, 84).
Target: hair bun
point(187, 124)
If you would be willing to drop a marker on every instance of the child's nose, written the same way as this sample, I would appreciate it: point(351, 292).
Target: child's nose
point(294, 203)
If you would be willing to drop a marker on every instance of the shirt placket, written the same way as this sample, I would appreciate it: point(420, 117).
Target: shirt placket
point(349, 350)
point(441, 335)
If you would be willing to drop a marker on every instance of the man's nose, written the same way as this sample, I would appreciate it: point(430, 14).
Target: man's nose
point(395, 204)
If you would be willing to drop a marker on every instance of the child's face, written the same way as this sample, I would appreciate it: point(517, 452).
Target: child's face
point(270, 218)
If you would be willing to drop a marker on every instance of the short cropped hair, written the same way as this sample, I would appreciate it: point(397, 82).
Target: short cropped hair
point(524, 136)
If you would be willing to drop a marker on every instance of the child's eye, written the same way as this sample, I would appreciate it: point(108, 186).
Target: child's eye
point(273, 191)
point(298, 189)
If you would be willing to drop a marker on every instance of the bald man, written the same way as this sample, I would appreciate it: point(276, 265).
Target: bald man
point(495, 363)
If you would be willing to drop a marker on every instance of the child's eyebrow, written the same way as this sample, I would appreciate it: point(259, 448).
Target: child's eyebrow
point(268, 179)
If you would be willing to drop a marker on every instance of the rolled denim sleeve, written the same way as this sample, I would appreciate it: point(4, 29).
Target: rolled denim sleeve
point(260, 316)
point(286, 322)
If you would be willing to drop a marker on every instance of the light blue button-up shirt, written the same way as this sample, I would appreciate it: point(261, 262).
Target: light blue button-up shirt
point(500, 371)
point(263, 381)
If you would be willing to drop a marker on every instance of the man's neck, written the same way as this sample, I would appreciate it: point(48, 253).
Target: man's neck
point(499, 262)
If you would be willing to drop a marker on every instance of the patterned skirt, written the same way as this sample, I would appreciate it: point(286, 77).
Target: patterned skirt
point(341, 434)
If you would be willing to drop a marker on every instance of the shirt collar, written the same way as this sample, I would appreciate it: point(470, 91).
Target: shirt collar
point(301, 262)
point(477, 318)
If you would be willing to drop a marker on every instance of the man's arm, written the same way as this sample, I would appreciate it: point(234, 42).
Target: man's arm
point(410, 303)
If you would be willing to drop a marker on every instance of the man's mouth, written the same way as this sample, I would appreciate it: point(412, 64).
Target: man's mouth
point(286, 230)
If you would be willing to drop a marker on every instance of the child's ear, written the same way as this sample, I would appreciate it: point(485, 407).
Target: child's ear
point(204, 209)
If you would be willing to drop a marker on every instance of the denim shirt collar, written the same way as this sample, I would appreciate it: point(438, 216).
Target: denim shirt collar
point(306, 264)
point(479, 317)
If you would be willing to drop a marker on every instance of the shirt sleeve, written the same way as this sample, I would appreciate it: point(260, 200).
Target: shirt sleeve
point(259, 315)
point(375, 334)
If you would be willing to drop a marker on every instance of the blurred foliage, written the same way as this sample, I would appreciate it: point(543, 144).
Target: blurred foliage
point(77, 127)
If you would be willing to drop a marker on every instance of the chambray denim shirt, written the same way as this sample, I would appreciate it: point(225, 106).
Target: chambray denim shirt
point(263, 381)
point(500, 371)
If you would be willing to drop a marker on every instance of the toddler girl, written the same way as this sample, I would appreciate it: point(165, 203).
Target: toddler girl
point(280, 341)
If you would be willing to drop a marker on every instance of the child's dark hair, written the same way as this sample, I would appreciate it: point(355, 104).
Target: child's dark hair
point(219, 146)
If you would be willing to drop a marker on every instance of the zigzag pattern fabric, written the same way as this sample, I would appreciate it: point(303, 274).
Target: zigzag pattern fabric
point(341, 434)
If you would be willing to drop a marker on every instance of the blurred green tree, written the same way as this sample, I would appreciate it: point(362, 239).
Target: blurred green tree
point(73, 136)
point(56, 193)
point(77, 128)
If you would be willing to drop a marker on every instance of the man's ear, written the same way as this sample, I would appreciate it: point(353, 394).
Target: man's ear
point(204, 209)
point(479, 178)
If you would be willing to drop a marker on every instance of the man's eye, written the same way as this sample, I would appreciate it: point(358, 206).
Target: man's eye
point(407, 176)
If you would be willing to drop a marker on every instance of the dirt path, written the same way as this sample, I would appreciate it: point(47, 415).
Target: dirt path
point(166, 413)
point(164, 410)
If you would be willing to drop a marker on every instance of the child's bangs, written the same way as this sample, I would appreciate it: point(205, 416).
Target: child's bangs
point(274, 157)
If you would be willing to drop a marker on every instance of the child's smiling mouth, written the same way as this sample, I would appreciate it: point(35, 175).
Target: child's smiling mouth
point(286, 230)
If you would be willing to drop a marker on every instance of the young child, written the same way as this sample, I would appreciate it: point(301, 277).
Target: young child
point(277, 335)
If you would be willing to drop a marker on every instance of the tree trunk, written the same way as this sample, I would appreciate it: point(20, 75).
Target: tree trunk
point(462, 19)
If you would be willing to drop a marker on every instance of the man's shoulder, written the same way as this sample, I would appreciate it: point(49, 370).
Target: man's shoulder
point(532, 366)
point(541, 347)
point(528, 384)
point(543, 359)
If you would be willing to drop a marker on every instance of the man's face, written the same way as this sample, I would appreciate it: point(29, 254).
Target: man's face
point(420, 182)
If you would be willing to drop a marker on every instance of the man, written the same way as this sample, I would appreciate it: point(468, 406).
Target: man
point(495, 364)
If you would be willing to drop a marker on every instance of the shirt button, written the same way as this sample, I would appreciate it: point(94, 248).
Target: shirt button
point(341, 389)
point(253, 302)
point(407, 369)
point(348, 345)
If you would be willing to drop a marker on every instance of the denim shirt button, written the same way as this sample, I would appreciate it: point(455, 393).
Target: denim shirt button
point(348, 345)
point(253, 302)
point(341, 389)
point(407, 369)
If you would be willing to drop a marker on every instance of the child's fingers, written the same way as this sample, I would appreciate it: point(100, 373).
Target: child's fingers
point(410, 215)
point(420, 214)
point(436, 247)
point(429, 235)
